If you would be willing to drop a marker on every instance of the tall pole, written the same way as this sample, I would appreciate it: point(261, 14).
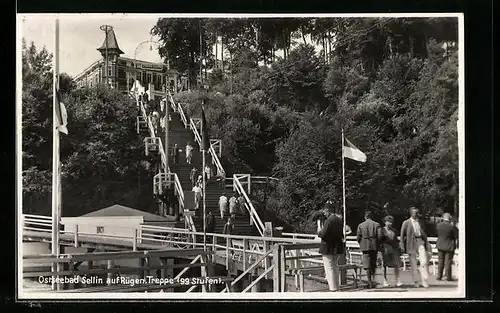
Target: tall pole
point(55, 158)
point(106, 29)
point(167, 125)
point(106, 60)
point(204, 201)
point(343, 186)
point(201, 57)
point(342, 260)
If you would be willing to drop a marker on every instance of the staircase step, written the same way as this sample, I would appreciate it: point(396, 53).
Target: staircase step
point(181, 136)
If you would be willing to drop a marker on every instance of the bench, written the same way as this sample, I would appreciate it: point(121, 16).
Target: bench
point(320, 270)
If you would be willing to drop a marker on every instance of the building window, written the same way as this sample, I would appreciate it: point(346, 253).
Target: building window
point(110, 70)
point(100, 229)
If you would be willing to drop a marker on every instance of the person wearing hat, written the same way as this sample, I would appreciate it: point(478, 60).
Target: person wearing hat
point(332, 245)
point(413, 240)
point(446, 245)
point(369, 235)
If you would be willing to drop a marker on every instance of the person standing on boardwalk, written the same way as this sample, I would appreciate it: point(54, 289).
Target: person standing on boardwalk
point(222, 205)
point(189, 152)
point(413, 241)
point(193, 176)
point(390, 250)
point(233, 202)
point(369, 235)
point(446, 245)
point(175, 154)
point(332, 246)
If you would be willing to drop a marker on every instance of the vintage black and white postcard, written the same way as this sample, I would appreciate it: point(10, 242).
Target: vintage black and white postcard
point(184, 156)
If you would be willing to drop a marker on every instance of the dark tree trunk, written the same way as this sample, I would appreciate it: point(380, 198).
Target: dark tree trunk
point(216, 51)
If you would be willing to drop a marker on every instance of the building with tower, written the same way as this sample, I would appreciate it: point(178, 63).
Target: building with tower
point(122, 72)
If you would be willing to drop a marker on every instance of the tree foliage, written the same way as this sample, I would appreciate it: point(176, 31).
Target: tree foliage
point(101, 157)
point(390, 83)
point(279, 101)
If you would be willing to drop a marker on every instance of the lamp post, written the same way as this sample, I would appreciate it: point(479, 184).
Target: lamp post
point(106, 29)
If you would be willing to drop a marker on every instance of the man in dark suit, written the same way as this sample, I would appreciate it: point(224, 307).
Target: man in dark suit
point(446, 245)
point(369, 235)
point(332, 245)
point(413, 240)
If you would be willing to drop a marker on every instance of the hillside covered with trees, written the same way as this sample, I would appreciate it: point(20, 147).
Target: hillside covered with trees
point(284, 88)
point(102, 157)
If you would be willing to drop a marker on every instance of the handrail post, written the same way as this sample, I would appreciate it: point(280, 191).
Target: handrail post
point(249, 179)
point(214, 248)
point(76, 235)
point(110, 272)
point(282, 259)
point(245, 248)
point(134, 243)
point(227, 253)
point(267, 260)
point(296, 264)
point(276, 269)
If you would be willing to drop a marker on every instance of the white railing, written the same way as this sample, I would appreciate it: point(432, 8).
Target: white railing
point(248, 205)
point(192, 125)
point(178, 188)
point(43, 224)
point(255, 179)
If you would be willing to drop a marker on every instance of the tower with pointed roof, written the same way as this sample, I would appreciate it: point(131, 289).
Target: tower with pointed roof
point(112, 51)
point(124, 71)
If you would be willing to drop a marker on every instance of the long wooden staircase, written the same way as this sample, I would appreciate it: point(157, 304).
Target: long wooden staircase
point(181, 135)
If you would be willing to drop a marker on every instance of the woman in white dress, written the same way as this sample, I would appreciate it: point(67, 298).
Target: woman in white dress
point(189, 152)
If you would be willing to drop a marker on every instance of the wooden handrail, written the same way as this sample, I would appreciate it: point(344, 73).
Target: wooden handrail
point(43, 226)
point(248, 270)
point(197, 135)
point(178, 187)
point(270, 268)
point(249, 205)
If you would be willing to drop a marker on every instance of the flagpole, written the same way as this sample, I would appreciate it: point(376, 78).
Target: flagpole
point(55, 160)
point(342, 260)
point(204, 193)
point(203, 269)
point(343, 185)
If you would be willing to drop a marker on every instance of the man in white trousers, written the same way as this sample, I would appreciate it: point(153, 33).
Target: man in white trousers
point(413, 241)
point(332, 246)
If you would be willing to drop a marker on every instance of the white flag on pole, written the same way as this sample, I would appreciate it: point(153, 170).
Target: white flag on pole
point(62, 115)
point(350, 151)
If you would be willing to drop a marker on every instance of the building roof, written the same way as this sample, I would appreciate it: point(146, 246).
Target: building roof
point(121, 210)
point(112, 43)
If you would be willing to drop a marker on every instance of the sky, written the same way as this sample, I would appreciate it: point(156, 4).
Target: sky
point(80, 36)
